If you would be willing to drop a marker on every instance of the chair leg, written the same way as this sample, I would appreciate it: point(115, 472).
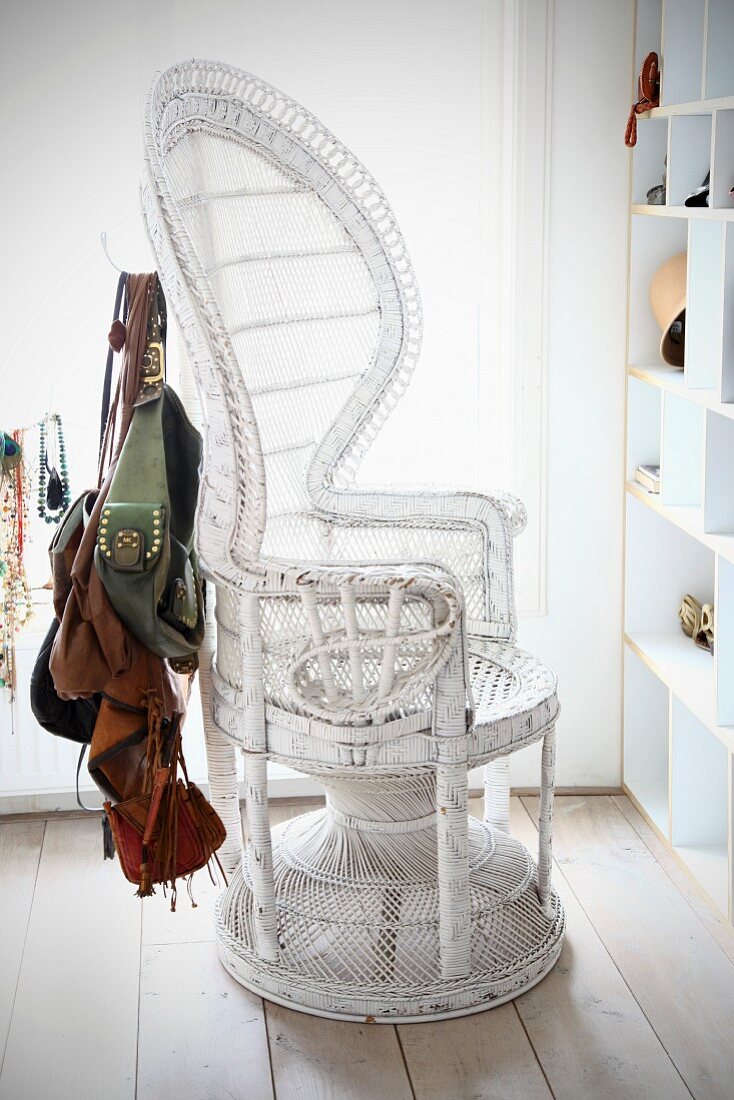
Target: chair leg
point(452, 818)
point(545, 819)
point(221, 757)
point(452, 797)
point(261, 855)
point(497, 794)
point(221, 763)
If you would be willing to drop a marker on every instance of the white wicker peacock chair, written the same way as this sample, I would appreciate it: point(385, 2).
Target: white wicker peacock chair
point(363, 637)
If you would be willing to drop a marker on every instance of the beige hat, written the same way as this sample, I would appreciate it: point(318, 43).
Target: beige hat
point(668, 301)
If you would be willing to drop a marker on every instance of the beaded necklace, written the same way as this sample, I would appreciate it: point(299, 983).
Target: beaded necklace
point(54, 494)
point(15, 596)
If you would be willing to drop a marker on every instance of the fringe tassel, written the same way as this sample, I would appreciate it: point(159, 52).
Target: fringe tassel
point(145, 889)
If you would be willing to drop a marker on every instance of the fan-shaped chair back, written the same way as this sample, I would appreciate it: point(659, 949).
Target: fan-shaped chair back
point(306, 320)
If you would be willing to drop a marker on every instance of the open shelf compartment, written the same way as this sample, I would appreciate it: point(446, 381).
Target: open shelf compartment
point(646, 740)
point(664, 563)
point(644, 405)
point(724, 642)
point(681, 465)
point(718, 512)
point(722, 168)
point(682, 51)
point(719, 75)
point(649, 157)
point(690, 155)
point(700, 803)
point(653, 241)
point(705, 305)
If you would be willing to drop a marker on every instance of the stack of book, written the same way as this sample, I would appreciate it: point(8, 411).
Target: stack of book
point(649, 478)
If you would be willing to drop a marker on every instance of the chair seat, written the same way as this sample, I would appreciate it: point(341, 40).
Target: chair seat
point(515, 702)
point(515, 697)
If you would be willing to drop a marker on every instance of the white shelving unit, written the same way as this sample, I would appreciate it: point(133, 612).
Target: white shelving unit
point(678, 699)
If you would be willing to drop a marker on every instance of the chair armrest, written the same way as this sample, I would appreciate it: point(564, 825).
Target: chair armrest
point(470, 533)
point(364, 641)
point(412, 506)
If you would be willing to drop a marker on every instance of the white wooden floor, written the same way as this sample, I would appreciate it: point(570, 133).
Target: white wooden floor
point(104, 997)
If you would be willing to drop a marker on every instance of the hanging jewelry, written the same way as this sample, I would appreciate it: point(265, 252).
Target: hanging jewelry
point(15, 597)
point(54, 494)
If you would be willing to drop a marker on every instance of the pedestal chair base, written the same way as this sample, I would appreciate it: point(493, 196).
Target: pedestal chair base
point(358, 934)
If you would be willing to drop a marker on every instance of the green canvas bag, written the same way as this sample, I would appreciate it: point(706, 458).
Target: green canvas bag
point(144, 550)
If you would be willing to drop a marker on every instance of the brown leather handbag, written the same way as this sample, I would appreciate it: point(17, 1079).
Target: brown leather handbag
point(169, 831)
point(648, 96)
point(130, 707)
point(163, 827)
point(92, 645)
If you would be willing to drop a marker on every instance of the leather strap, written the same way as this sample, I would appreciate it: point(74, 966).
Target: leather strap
point(107, 385)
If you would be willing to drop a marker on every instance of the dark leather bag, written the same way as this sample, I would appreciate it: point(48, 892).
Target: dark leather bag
point(93, 645)
point(73, 719)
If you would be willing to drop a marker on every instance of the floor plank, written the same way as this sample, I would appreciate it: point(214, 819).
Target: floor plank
point(482, 1057)
point(638, 932)
point(681, 978)
point(201, 1034)
point(188, 924)
point(319, 1059)
point(73, 1032)
point(588, 1031)
point(485, 1057)
point(20, 851)
point(724, 936)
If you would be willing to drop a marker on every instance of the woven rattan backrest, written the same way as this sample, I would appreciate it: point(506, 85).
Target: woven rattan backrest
point(308, 320)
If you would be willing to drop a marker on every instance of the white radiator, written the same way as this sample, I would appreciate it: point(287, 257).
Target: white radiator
point(37, 770)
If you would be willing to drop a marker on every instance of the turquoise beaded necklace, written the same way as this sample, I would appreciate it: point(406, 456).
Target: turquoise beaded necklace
point(54, 494)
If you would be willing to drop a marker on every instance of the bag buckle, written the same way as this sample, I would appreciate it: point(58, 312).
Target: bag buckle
point(184, 666)
point(152, 372)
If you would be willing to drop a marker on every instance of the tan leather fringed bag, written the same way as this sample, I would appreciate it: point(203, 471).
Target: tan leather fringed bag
point(163, 827)
point(131, 705)
point(92, 645)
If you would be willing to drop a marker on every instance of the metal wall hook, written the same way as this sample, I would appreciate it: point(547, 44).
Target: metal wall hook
point(103, 242)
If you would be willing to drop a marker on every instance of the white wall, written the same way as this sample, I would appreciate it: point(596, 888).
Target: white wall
point(581, 634)
point(76, 76)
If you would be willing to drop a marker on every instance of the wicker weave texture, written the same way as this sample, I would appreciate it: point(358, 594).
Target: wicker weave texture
point(364, 636)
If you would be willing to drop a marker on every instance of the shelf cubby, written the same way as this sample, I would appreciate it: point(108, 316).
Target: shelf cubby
point(648, 26)
point(646, 737)
point(724, 642)
point(700, 803)
point(722, 166)
point(643, 425)
point(718, 512)
point(719, 75)
point(704, 305)
point(682, 450)
point(690, 155)
point(682, 51)
point(727, 318)
point(653, 241)
point(651, 152)
point(664, 563)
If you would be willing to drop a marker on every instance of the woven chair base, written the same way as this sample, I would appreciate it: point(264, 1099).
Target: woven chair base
point(358, 927)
